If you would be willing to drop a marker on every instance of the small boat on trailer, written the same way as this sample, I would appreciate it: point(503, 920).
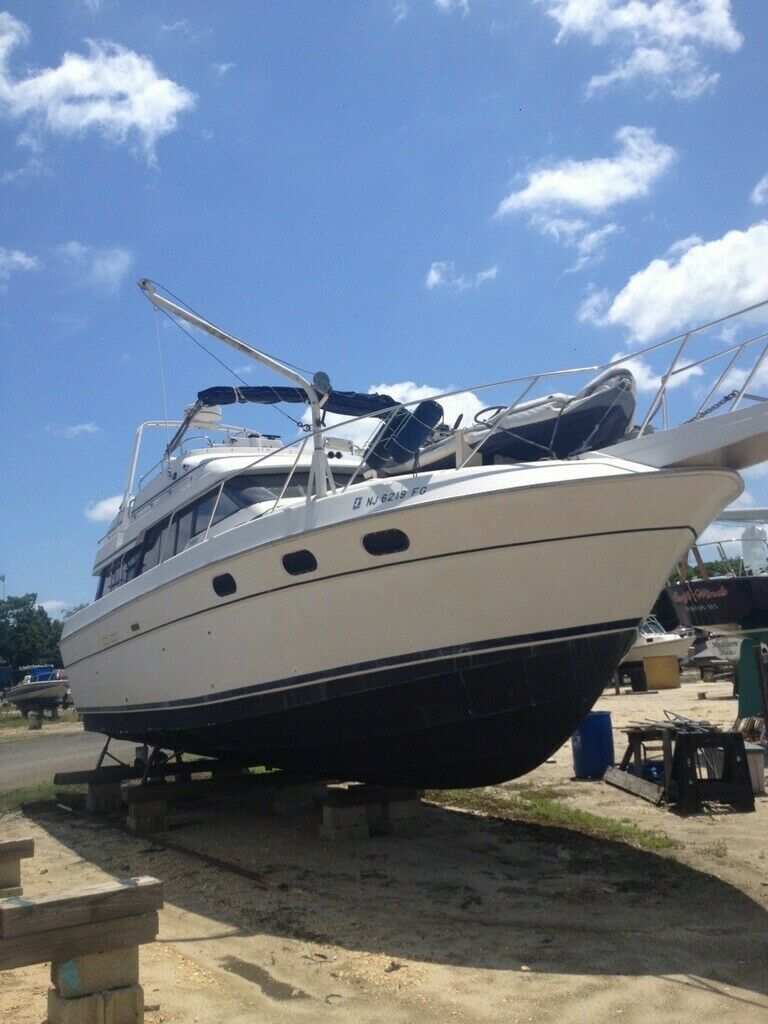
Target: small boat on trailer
point(291, 605)
point(43, 688)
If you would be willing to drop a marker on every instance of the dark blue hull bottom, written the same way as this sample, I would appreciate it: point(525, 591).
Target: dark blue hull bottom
point(459, 721)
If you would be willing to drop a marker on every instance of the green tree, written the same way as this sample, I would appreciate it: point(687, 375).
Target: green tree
point(28, 635)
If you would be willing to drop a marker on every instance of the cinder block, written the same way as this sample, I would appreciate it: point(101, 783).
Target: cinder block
point(345, 817)
point(344, 834)
point(398, 810)
point(399, 817)
point(155, 823)
point(116, 1006)
point(96, 972)
point(10, 873)
point(34, 720)
point(104, 798)
point(293, 800)
point(147, 808)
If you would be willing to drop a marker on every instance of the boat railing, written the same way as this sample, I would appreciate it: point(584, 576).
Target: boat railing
point(717, 347)
point(730, 556)
point(734, 365)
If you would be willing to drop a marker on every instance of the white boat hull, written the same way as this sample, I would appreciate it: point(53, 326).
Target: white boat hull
point(673, 647)
point(463, 660)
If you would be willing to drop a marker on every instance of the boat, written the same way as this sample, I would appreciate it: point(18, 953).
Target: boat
point(43, 688)
point(653, 641)
point(728, 591)
point(553, 426)
point(715, 647)
point(290, 605)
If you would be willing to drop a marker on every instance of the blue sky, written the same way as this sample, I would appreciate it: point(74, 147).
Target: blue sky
point(434, 191)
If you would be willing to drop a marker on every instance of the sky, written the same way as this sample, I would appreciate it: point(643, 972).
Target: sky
point(410, 194)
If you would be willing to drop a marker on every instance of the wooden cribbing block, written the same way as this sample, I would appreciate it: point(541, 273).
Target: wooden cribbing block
point(65, 943)
point(12, 852)
point(126, 897)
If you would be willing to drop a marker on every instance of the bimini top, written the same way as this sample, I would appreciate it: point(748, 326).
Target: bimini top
point(343, 403)
point(397, 440)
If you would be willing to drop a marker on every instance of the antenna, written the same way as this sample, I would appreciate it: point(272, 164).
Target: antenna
point(320, 476)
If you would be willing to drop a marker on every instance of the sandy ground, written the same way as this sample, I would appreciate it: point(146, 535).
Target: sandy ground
point(468, 919)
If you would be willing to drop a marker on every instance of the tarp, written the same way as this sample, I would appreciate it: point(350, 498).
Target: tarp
point(343, 403)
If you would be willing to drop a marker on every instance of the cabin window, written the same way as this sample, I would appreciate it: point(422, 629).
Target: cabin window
point(183, 530)
point(254, 487)
point(154, 542)
point(299, 562)
point(385, 542)
point(224, 585)
point(203, 511)
point(132, 563)
point(102, 581)
point(226, 507)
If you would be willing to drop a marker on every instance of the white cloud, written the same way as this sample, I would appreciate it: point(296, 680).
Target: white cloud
point(100, 267)
point(648, 379)
point(54, 607)
point(760, 191)
point(12, 260)
point(657, 41)
point(683, 245)
point(594, 185)
point(575, 233)
point(222, 67)
point(33, 168)
point(442, 274)
point(452, 5)
point(589, 246)
point(103, 511)
point(111, 90)
point(399, 11)
point(76, 430)
point(708, 280)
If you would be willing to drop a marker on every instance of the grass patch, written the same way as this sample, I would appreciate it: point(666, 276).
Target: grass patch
point(25, 796)
point(538, 807)
point(718, 849)
point(11, 721)
point(14, 719)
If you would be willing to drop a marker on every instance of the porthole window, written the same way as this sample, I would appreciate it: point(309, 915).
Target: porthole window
point(385, 542)
point(299, 562)
point(224, 585)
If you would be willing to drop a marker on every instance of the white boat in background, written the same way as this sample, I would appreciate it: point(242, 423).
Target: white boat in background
point(653, 641)
point(716, 647)
point(43, 688)
point(288, 605)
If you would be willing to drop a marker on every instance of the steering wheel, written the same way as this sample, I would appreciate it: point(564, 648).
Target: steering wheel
point(483, 415)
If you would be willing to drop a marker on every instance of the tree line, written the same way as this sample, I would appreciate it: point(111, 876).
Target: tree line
point(28, 635)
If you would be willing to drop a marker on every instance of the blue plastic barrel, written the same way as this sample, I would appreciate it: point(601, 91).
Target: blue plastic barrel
point(592, 746)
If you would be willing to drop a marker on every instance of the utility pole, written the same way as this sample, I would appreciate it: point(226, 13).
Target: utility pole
point(2, 580)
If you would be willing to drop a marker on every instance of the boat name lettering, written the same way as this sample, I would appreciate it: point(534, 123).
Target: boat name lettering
point(687, 597)
point(387, 497)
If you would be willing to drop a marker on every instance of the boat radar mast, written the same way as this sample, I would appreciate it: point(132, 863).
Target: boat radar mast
point(320, 476)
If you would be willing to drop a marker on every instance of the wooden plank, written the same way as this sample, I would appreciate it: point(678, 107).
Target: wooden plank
point(634, 784)
point(65, 943)
point(125, 897)
point(199, 789)
point(122, 773)
point(17, 849)
point(356, 795)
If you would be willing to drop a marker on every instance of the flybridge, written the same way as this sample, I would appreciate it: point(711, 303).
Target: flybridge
point(727, 427)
